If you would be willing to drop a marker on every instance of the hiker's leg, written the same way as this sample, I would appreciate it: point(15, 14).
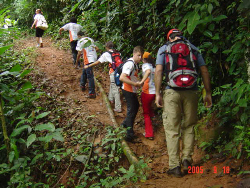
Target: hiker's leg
point(90, 76)
point(172, 111)
point(74, 51)
point(190, 106)
point(132, 109)
point(147, 100)
point(83, 79)
point(114, 92)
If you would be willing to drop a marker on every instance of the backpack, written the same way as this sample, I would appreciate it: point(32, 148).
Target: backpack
point(118, 72)
point(181, 71)
point(116, 59)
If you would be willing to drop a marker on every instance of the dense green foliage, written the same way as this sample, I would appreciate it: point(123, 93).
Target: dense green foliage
point(221, 30)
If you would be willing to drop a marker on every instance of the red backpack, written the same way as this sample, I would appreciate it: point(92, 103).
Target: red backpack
point(180, 65)
point(116, 59)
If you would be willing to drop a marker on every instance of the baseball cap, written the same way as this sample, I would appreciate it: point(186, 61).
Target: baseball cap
point(146, 55)
point(173, 31)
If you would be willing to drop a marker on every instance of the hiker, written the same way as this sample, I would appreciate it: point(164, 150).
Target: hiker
point(89, 56)
point(73, 29)
point(114, 94)
point(39, 31)
point(148, 93)
point(180, 99)
point(129, 77)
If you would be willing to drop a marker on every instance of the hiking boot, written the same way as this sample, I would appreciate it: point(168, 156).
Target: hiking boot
point(129, 139)
point(176, 172)
point(92, 96)
point(123, 125)
point(83, 88)
point(41, 45)
point(118, 110)
point(186, 164)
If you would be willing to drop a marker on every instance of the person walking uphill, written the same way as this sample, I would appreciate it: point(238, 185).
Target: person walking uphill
point(89, 56)
point(38, 19)
point(129, 77)
point(148, 93)
point(114, 94)
point(181, 60)
point(73, 29)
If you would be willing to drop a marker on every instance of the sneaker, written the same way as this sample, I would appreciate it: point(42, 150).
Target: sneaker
point(118, 110)
point(150, 138)
point(83, 88)
point(41, 45)
point(185, 165)
point(38, 46)
point(176, 172)
point(92, 96)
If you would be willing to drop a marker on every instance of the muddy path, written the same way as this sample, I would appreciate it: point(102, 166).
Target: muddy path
point(57, 68)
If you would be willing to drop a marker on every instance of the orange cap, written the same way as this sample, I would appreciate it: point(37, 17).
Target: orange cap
point(146, 55)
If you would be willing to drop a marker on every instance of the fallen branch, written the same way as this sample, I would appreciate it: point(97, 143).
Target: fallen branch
point(4, 127)
point(126, 149)
point(71, 159)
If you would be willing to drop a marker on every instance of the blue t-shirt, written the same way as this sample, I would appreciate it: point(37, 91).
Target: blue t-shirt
point(161, 58)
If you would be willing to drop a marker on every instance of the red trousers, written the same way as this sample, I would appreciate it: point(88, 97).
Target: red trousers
point(146, 100)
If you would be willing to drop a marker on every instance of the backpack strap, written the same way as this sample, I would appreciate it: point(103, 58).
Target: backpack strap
point(134, 68)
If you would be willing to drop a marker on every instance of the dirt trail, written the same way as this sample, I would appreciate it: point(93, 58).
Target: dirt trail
point(57, 66)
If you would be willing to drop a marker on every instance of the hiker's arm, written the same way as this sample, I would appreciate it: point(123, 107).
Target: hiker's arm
point(60, 30)
point(147, 73)
point(158, 81)
point(124, 78)
point(34, 23)
point(92, 64)
point(207, 85)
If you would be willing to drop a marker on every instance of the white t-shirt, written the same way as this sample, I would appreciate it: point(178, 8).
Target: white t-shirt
point(131, 69)
point(39, 18)
point(149, 85)
point(73, 29)
point(89, 52)
point(106, 57)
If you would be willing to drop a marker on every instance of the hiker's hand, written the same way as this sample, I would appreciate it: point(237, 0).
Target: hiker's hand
point(86, 66)
point(141, 83)
point(137, 84)
point(158, 101)
point(208, 101)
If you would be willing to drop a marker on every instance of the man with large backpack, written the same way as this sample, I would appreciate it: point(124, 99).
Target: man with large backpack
point(181, 62)
point(113, 57)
